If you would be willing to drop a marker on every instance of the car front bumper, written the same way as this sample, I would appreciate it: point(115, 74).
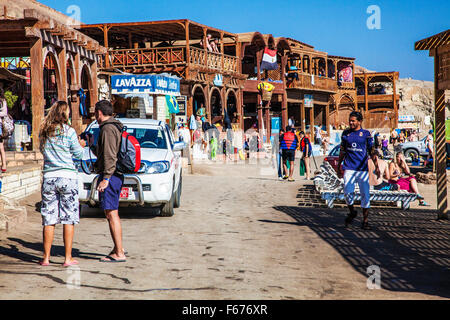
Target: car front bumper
point(151, 189)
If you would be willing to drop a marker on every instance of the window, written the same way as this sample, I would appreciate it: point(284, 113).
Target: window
point(147, 138)
point(170, 135)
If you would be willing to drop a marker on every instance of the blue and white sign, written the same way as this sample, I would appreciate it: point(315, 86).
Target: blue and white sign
point(406, 118)
point(166, 85)
point(151, 84)
point(218, 80)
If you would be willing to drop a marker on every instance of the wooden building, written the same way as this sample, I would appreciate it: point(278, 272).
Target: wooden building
point(30, 31)
point(252, 49)
point(178, 47)
point(315, 94)
point(439, 48)
point(379, 107)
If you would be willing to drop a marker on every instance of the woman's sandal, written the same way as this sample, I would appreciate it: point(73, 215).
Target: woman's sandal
point(424, 204)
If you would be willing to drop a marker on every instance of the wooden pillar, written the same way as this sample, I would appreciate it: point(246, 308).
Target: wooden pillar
point(336, 119)
point(207, 102)
point(106, 44)
point(440, 157)
point(259, 106)
point(130, 41)
point(76, 116)
point(303, 116)
point(366, 101)
point(284, 113)
point(37, 89)
point(94, 90)
point(241, 108)
point(221, 50)
point(311, 123)
point(188, 53)
point(62, 89)
point(394, 92)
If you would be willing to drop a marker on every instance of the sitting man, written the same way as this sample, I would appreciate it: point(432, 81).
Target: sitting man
point(379, 173)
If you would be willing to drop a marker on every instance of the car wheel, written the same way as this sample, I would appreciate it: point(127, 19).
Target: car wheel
point(80, 210)
point(411, 154)
point(167, 208)
point(177, 201)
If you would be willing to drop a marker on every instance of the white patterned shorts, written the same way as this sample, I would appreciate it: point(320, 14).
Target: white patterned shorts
point(60, 201)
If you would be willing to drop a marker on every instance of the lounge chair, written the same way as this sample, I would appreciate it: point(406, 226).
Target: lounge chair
point(331, 188)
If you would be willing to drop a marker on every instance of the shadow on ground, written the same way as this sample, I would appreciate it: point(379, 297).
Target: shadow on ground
point(411, 247)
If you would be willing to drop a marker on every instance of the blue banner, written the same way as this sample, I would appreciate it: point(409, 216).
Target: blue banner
point(156, 84)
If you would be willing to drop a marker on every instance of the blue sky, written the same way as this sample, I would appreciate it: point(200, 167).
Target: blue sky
point(335, 26)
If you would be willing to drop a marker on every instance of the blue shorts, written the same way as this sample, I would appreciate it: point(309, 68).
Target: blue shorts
point(109, 199)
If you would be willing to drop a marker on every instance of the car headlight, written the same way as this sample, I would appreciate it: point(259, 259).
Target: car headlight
point(154, 167)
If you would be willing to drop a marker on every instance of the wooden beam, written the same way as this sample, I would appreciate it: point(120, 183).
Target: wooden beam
point(32, 32)
point(187, 49)
point(440, 157)
point(37, 89)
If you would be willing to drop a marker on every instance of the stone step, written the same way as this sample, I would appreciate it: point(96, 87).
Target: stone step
point(10, 164)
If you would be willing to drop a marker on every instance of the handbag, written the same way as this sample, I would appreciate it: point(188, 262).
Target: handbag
point(7, 127)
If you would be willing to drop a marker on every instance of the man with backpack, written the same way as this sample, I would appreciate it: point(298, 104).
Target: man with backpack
point(288, 145)
point(110, 181)
point(306, 148)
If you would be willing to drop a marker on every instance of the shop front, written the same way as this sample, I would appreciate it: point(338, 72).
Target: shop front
point(151, 96)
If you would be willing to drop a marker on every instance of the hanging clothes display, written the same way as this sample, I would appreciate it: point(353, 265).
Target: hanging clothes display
point(82, 95)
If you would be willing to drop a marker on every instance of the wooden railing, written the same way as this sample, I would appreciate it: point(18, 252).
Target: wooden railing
point(213, 60)
point(123, 58)
point(346, 85)
point(305, 81)
point(144, 57)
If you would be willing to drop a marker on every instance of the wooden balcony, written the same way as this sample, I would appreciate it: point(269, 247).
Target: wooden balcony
point(169, 57)
point(305, 82)
point(377, 98)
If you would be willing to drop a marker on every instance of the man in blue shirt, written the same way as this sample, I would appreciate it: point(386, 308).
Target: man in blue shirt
point(356, 146)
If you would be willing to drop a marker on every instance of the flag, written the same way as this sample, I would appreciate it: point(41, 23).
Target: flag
point(172, 104)
point(269, 60)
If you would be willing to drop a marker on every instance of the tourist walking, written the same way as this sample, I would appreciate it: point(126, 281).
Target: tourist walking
point(109, 181)
point(3, 114)
point(306, 148)
point(288, 144)
point(59, 144)
point(356, 144)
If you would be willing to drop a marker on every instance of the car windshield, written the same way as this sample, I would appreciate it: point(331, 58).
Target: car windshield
point(148, 138)
point(335, 151)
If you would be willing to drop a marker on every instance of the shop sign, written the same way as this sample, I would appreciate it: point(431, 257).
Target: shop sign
point(152, 84)
point(406, 118)
point(218, 80)
point(308, 100)
point(166, 85)
point(181, 105)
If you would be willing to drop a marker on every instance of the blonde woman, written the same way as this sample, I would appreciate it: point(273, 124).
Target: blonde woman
point(59, 144)
point(401, 175)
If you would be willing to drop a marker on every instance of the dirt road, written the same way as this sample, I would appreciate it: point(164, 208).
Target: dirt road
point(238, 235)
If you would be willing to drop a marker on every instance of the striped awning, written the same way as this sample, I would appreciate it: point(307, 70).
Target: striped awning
point(438, 40)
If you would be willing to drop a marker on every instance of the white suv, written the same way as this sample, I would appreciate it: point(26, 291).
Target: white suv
point(159, 181)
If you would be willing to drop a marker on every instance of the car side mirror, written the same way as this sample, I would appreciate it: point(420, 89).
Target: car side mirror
point(179, 146)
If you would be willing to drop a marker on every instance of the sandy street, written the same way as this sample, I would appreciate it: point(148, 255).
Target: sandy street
point(239, 234)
